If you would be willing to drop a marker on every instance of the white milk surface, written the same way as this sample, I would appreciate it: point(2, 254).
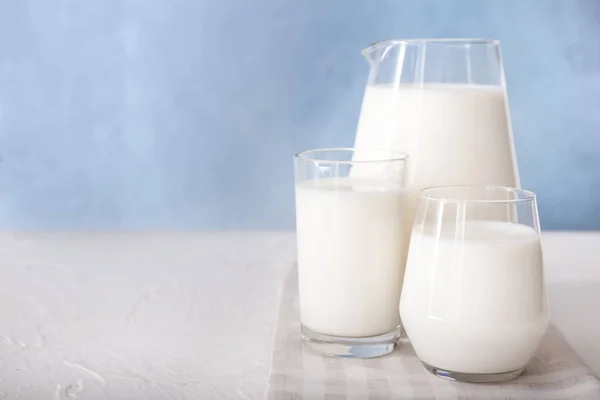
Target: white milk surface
point(454, 135)
point(350, 254)
point(478, 305)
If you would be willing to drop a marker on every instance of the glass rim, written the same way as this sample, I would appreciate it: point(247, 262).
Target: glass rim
point(395, 156)
point(420, 41)
point(527, 195)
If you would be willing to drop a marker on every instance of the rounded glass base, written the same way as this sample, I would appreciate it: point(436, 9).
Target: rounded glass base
point(359, 347)
point(472, 378)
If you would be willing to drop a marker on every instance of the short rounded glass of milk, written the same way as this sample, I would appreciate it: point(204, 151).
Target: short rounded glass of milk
point(473, 302)
point(349, 222)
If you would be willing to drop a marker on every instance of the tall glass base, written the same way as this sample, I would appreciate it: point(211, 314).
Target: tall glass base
point(472, 378)
point(361, 347)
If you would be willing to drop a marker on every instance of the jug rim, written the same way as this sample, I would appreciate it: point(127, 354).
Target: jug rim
point(420, 41)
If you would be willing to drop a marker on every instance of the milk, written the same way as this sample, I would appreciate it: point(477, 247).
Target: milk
point(478, 305)
point(349, 257)
point(454, 134)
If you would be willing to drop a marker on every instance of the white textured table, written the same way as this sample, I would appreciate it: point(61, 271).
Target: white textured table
point(188, 315)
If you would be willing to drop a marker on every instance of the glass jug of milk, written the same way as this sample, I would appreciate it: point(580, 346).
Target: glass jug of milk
point(443, 102)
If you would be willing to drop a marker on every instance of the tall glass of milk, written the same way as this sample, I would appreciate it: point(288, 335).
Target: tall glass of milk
point(443, 102)
point(474, 303)
point(349, 235)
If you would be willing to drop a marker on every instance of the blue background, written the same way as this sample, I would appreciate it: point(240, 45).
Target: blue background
point(184, 114)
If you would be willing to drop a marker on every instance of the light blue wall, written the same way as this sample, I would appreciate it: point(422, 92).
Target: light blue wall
point(185, 113)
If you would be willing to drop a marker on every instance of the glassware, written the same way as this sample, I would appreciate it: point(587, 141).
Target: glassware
point(349, 261)
point(443, 102)
point(473, 302)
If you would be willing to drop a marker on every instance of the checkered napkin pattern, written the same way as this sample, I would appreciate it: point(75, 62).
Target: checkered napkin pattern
point(556, 372)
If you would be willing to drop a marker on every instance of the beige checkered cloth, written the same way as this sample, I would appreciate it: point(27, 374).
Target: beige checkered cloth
point(297, 373)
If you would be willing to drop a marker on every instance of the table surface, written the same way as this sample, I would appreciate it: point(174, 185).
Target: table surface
point(171, 315)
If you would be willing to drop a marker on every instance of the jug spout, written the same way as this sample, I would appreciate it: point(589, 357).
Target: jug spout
point(368, 54)
point(377, 51)
point(372, 53)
